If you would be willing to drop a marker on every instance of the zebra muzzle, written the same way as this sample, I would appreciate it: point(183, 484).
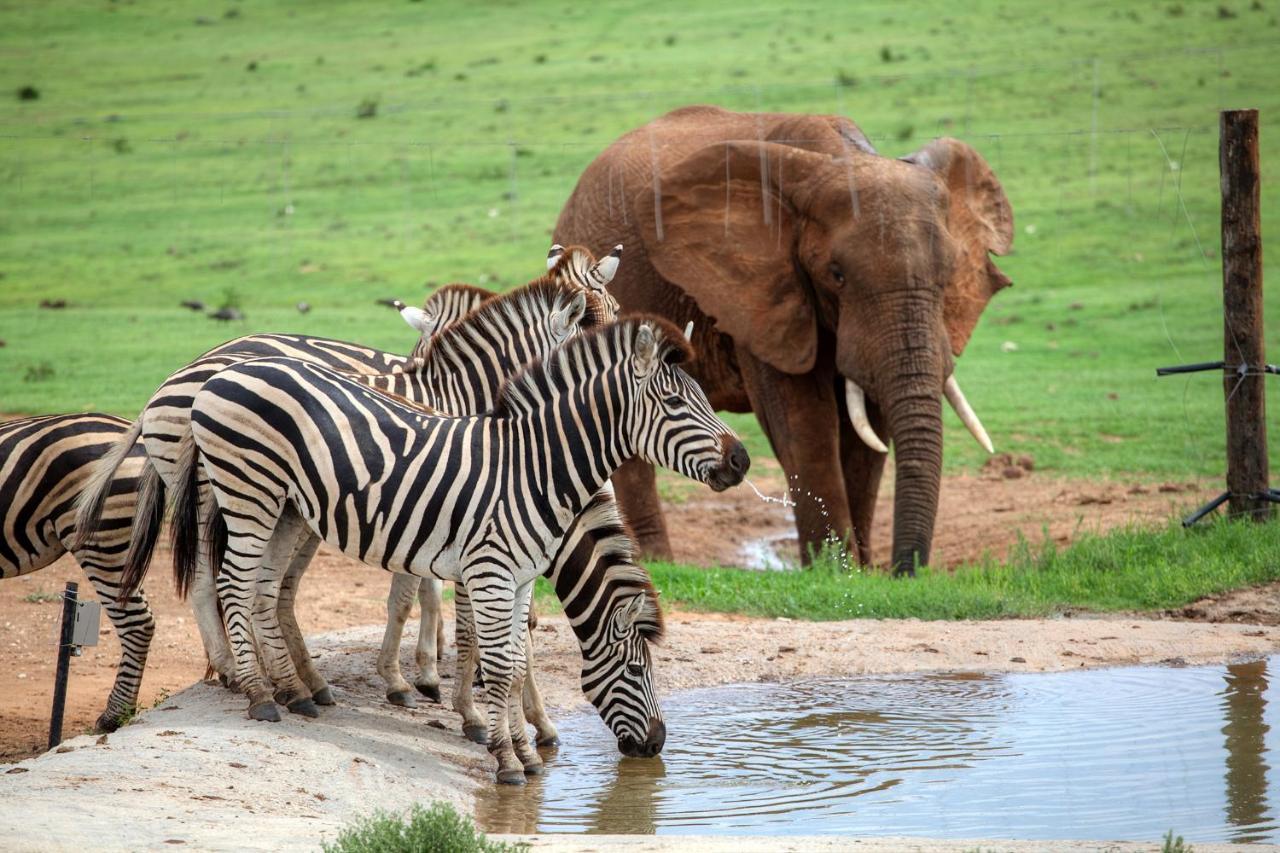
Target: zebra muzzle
point(652, 744)
point(733, 467)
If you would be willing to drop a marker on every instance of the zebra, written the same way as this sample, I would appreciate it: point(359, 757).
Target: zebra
point(45, 463)
point(484, 500)
point(168, 412)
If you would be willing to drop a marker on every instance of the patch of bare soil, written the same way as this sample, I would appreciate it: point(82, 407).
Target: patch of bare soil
point(1256, 606)
point(987, 513)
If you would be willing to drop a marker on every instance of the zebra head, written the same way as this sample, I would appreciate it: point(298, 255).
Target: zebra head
point(675, 424)
point(616, 617)
point(577, 267)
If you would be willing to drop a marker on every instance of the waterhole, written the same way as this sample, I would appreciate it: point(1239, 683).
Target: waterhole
point(1115, 754)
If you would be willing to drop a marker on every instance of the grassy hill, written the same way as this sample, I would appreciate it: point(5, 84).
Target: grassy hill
point(269, 153)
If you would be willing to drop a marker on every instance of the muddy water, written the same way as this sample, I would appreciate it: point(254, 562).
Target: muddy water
point(1119, 754)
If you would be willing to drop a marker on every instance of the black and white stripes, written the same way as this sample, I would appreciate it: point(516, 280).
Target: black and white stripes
point(486, 500)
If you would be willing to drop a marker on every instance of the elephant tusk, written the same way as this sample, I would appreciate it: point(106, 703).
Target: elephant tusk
point(970, 419)
point(554, 255)
point(857, 403)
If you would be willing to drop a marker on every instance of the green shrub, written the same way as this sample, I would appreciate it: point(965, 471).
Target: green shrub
point(438, 829)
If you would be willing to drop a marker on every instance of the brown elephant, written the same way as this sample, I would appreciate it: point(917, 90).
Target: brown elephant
point(815, 272)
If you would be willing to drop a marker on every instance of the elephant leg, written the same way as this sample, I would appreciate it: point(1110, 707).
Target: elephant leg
point(637, 488)
point(862, 468)
point(798, 413)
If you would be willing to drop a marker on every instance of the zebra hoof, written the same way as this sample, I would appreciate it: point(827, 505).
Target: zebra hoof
point(511, 777)
point(403, 698)
point(323, 696)
point(110, 721)
point(267, 712)
point(553, 740)
point(305, 707)
point(535, 769)
point(476, 734)
point(431, 691)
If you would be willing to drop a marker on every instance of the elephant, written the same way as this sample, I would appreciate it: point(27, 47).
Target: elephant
point(817, 273)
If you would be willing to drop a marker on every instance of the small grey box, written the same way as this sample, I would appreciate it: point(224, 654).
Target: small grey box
point(88, 615)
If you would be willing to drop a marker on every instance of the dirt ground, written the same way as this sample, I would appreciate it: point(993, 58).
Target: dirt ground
point(978, 513)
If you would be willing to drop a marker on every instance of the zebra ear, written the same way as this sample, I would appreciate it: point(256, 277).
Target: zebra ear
point(631, 612)
point(554, 255)
point(569, 317)
point(607, 267)
point(418, 318)
point(646, 349)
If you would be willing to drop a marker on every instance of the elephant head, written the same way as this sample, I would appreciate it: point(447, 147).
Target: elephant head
point(807, 229)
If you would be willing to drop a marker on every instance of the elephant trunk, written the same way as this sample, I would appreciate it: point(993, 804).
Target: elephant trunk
point(916, 425)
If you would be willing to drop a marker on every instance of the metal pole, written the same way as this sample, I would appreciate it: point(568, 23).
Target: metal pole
point(64, 662)
point(1244, 379)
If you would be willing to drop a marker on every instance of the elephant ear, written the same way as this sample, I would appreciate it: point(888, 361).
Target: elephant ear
point(719, 225)
point(980, 221)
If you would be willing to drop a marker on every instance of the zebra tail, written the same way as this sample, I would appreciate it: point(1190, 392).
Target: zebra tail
point(148, 518)
point(185, 527)
point(93, 497)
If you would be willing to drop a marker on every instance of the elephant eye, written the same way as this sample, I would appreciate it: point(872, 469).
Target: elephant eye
point(836, 272)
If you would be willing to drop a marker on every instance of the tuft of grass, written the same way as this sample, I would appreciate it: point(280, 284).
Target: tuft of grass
point(1175, 845)
point(41, 597)
point(1126, 569)
point(438, 829)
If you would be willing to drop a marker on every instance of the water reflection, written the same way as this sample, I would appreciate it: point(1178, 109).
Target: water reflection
point(1245, 704)
point(1094, 755)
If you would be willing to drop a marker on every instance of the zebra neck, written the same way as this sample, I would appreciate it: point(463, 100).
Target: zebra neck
point(573, 440)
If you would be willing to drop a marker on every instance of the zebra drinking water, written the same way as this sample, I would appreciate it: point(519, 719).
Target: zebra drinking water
point(485, 501)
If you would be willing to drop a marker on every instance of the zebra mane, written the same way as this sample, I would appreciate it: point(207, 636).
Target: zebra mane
point(460, 291)
point(610, 343)
point(574, 264)
point(621, 572)
point(525, 306)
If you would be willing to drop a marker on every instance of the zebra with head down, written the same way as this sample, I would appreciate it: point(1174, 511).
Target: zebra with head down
point(485, 501)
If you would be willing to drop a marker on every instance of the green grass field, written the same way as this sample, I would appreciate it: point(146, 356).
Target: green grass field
point(217, 151)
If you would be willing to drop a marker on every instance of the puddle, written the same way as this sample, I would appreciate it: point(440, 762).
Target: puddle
point(1116, 754)
point(766, 554)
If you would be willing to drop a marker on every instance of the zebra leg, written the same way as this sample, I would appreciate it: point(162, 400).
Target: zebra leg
point(286, 613)
point(520, 743)
point(496, 611)
point(399, 604)
point(135, 626)
point(430, 627)
point(531, 697)
point(272, 646)
point(203, 595)
point(247, 539)
point(473, 723)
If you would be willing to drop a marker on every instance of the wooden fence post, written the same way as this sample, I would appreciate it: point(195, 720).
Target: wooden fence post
point(1244, 380)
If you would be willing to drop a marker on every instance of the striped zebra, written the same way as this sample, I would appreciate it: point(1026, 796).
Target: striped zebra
point(45, 464)
point(484, 501)
point(166, 418)
point(167, 415)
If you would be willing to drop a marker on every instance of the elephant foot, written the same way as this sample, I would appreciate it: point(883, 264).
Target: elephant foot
point(511, 777)
point(476, 733)
point(403, 698)
point(431, 691)
point(267, 712)
point(324, 696)
point(305, 707)
point(110, 720)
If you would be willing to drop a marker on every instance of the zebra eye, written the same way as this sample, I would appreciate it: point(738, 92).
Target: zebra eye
point(635, 669)
point(673, 401)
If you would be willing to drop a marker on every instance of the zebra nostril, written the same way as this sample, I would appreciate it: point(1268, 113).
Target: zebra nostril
point(739, 460)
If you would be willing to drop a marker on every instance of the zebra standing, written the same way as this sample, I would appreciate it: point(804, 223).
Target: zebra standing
point(167, 415)
point(484, 501)
point(44, 465)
